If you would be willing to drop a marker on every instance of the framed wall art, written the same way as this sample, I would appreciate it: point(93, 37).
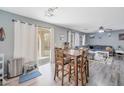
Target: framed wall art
point(121, 36)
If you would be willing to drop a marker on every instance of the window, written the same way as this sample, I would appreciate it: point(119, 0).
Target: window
point(77, 39)
point(73, 39)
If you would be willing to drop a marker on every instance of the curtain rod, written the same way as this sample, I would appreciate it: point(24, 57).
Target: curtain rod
point(13, 20)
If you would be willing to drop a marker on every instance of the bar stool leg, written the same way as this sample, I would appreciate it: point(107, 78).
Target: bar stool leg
point(81, 73)
point(69, 73)
point(62, 74)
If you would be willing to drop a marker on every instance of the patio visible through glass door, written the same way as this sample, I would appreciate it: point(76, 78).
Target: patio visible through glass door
point(43, 45)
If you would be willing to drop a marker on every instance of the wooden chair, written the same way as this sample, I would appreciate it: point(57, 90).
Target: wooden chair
point(85, 63)
point(83, 66)
point(61, 61)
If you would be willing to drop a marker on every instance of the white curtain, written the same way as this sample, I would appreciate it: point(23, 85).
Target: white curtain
point(25, 41)
point(17, 40)
point(83, 39)
point(77, 39)
point(73, 40)
point(69, 38)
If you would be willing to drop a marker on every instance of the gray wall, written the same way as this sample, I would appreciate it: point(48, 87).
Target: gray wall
point(105, 39)
point(7, 46)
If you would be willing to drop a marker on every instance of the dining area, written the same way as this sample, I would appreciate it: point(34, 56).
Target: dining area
point(72, 64)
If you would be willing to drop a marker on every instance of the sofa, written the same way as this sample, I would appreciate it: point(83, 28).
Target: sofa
point(101, 48)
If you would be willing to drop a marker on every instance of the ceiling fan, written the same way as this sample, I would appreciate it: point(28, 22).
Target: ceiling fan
point(102, 29)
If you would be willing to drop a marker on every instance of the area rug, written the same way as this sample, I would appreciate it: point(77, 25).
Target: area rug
point(28, 76)
point(109, 60)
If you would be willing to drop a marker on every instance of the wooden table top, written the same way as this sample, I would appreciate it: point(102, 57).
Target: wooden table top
point(72, 52)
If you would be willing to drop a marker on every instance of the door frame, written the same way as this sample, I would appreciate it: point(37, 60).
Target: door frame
point(52, 45)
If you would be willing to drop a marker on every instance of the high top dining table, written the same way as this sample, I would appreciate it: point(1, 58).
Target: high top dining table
point(75, 54)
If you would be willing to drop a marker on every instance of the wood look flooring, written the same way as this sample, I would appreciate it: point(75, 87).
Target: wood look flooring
point(101, 74)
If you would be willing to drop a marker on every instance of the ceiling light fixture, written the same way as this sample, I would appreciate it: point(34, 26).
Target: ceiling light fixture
point(50, 12)
point(101, 29)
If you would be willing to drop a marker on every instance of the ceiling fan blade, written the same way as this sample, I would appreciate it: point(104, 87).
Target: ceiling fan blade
point(108, 29)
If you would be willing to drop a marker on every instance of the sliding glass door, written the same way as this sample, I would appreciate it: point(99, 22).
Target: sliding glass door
point(43, 45)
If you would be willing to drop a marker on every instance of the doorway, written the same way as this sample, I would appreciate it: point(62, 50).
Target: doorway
point(43, 45)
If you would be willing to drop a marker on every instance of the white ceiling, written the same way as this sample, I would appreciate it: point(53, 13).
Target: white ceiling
point(78, 18)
